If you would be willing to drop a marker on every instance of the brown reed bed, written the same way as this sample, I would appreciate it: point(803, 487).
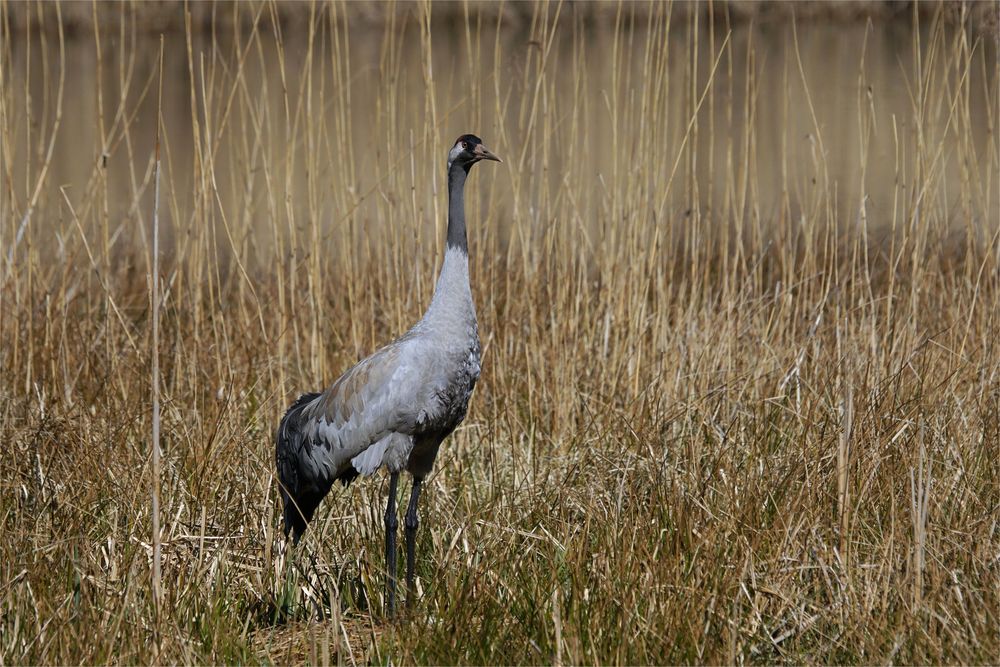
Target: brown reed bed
point(741, 389)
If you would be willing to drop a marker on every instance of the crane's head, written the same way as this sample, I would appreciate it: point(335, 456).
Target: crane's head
point(467, 151)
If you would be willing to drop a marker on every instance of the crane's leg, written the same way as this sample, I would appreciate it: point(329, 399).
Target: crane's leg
point(411, 522)
point(391, 522)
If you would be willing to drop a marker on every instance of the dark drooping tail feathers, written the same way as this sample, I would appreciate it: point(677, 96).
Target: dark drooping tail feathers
point(300, 496)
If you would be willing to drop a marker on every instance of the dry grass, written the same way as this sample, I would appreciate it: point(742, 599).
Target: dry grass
point(741, 387)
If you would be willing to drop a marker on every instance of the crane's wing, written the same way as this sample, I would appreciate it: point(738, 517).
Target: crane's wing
point(379, 395)
point(299, 494)
point(378, 401)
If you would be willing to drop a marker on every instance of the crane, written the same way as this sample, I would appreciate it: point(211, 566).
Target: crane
point(395, 407)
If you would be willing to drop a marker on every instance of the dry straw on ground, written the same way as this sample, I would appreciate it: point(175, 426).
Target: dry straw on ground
point(737, 288)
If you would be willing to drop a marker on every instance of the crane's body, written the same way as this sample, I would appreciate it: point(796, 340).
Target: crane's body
point(395, 407)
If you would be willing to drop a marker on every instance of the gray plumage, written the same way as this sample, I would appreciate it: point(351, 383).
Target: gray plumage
point(395, 407)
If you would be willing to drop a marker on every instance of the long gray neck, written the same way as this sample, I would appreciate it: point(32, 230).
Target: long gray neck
point(456, 207)
point(451, 306)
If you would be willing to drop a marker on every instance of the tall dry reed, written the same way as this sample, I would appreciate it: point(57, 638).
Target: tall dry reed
point(737, 288)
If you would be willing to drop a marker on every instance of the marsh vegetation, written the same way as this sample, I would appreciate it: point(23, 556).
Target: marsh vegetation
point(737, 287)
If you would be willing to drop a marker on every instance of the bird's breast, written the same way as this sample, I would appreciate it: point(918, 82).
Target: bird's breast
point(456, 377)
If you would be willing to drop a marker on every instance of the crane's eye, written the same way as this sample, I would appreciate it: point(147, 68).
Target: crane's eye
point(465, 145)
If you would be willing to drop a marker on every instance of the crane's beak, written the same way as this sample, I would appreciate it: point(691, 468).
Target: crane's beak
point(482, 154)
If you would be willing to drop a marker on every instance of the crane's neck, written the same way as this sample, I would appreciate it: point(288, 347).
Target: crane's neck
point(452, 301)
point(456, 207)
